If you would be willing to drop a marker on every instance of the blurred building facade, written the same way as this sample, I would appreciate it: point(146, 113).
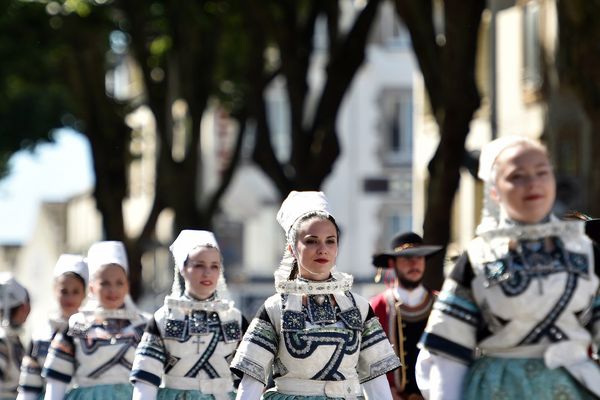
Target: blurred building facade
point(378, 184)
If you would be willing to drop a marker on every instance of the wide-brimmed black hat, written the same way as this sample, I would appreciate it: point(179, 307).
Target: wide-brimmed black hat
point(407, 244)
point(592, 229)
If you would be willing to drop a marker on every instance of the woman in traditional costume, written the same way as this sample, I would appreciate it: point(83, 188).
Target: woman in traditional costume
point(95, 355)
point(14, 309)
point(317, 338)
point(189, 343)
point(519, 314)
point(70, 283)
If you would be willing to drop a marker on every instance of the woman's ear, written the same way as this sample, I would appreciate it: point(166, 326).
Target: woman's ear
point(494, 194)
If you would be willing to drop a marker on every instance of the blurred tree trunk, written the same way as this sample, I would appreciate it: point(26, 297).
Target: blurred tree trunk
point(449, 75)
point(176, 45)
point(577, 64)
point(289, 27)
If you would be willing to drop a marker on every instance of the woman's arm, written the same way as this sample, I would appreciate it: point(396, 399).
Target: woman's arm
point(144, 391)
point(438, 377)
point(55, 390)
point(377, 389)
point(249, 389)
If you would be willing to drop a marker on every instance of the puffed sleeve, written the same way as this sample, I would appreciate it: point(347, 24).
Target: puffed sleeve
point(256, 352)
point(150, 356)
point(377, 356)
point(30, 379)
point(60, 363)
point(594, 324)
point(454, 321)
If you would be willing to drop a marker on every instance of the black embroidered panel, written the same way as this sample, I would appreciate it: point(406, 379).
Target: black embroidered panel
point(175, 329)
point(321, 309)
point(536, 259)
point(304, 344)
point(232, 331)
point(352, 318)
point(293, 320)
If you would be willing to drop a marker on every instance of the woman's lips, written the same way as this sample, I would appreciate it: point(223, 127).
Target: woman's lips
point(322, 260)
point(533, 197)
point(206, 283)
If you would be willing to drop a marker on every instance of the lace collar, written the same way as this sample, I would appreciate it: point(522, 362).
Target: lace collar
point(339, 282)
point(553, 227)
point(187, 303)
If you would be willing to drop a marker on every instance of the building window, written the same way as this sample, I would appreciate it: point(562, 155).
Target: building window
point(390, 31)
point(396, 126)
point(532, 54)
point(279, 119)
point(396, 219)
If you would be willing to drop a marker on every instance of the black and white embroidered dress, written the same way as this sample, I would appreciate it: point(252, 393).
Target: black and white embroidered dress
point(188, 345)
point(317, 339)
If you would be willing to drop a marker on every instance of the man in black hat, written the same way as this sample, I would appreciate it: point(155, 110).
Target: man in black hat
point(403, 308)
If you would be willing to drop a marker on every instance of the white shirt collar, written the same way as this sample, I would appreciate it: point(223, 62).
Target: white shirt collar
point(411, 297)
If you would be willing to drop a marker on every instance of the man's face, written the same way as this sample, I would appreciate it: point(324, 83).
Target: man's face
point(410, 270)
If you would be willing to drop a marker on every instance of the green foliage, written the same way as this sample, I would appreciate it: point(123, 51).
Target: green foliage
point(32, 103)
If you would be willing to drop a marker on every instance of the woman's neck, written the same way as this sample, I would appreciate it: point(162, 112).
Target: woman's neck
point(316, 277)
point(194, 296)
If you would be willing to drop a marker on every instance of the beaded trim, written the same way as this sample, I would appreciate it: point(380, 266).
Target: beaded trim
point(537, 231)
point(191, 305)
point(120, 313)
point(341, 282)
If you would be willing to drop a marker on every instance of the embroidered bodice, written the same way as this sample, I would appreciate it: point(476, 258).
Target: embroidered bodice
point(31, 369)
point(188, 345)
point(98, 348)
point(518, 291)
point(325, 336)
point(11, 354)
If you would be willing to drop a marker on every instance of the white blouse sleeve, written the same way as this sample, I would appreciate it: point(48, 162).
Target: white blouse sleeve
point(438, 377)
point(377, 389)
point(55, 390)
point(249, 389)
point(144, 391)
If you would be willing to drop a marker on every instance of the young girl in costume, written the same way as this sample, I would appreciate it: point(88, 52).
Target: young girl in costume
point(519, 314)
point(188, 344)
point(70, 282)
point(14, 303)
point(317, 338)
point(97, 352)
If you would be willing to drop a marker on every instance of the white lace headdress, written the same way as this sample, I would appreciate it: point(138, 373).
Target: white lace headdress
point(490, 213)
point(72, 263)
point(294, 207)
point(104, 253)
point(182, 246)
point(12, 294)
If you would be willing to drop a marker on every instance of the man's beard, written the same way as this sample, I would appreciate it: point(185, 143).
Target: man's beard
point(405, 283)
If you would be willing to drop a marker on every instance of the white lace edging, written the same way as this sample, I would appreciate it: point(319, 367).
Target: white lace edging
point(341, 282)
point(537, 231)
point(191, 305)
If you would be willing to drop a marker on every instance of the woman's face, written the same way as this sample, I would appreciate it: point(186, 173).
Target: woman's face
point(201, 271)
point(69, 292)
point(525, 186)
point(316, 248)
point(110, 286)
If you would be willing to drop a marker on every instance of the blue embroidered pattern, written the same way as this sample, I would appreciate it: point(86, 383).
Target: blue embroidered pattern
point(304, 344)
point(152, 346)
point(458, 307)
point(537, 258)
point(263, 334)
